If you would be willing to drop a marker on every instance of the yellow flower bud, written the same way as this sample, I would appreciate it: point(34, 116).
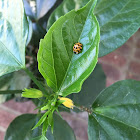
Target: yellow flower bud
point(67, 102)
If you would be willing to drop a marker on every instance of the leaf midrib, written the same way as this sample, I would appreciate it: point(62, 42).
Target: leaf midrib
point(72, 56)
point(11, 54)
point(116, 120)
point(111, 106)
point(83, 71)
point(96, 12)
point(101, 126)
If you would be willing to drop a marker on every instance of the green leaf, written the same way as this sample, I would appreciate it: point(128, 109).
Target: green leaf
point(116, 112)
point(63, 8)
point(40, 138)
point(50, 118)
point(30, 32)
point(20, 129)
point(45, 107)
point(43, 118)
point(43, 7)
point(91, 88)
point(118, 20)
point(59, 102)
point(45, 127)
point(52, 126)
point(13, 36)
point(65, 71)
point(58, 113)
point(65, 131)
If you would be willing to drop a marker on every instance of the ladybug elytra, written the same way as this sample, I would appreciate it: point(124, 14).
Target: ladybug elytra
point(77, 47)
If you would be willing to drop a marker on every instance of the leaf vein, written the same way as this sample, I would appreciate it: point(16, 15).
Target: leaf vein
point(11, 54)
point(53, 59)
point(115, 14)
point(118, 121)
point(47, 76)
point(102, 126)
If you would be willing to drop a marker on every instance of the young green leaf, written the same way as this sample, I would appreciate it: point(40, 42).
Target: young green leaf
point(118, 20)
point(59, 102)
point(116, 112)
point(50, 118)
point(59, 113)
point(65, 71)
point(45, 107)
point(43, 118)
point(45, 126)
point(13, 36)
point(52, 126)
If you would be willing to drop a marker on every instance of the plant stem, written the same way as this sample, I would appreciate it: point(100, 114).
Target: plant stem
point(11, 92)
point(83, 108)
point(35, 80)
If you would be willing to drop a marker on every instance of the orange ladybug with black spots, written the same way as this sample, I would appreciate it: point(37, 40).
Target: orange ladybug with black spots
point(77, 48)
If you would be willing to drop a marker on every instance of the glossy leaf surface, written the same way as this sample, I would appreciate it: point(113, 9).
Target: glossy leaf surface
point(118, 20)
point(30, 32)
point(43, 7)
point(65, 7)
point(13, 35)
point(64, 70)
point(116, 113)
point(91, 88)
point(62, 130)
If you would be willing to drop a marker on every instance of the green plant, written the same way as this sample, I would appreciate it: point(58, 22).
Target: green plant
point(100, 26)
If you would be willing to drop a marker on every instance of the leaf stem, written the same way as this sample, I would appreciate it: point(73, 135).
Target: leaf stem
point(35, 80)
point(83, 108)
point(11, 92)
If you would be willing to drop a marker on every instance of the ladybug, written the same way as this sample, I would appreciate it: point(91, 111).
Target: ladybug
point(77, 47)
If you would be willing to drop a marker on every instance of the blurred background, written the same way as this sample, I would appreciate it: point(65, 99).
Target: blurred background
point(123, 63)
